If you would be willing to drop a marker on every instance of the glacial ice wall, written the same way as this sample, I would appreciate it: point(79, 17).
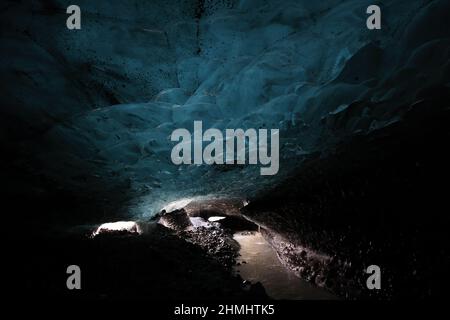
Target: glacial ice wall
point(97, 106)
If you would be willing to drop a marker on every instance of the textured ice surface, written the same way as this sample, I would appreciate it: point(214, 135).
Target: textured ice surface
point(97, 106)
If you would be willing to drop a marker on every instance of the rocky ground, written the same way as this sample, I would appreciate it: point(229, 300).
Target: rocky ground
point(157, 265)
point(326, 271)
point(215, 238)
point(216, 242)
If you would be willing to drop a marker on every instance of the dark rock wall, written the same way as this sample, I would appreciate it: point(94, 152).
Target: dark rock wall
point(378, 199)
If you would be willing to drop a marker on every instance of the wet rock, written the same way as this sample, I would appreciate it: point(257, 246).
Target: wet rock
point(215, 242)
point(176, 220)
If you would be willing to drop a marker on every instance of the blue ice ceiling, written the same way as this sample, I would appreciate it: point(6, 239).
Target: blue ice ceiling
point(97, 106)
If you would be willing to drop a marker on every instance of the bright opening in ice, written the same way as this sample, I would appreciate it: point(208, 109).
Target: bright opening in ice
point(217, 218)
point(129, 226)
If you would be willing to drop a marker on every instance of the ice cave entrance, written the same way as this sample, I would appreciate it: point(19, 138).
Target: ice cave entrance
point(119, 226)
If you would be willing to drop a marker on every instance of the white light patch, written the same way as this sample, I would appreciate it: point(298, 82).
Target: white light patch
point(215, 218)
point(199, 222)
point(129, 226)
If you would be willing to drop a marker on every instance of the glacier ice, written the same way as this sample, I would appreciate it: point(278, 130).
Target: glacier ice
point(98, 107)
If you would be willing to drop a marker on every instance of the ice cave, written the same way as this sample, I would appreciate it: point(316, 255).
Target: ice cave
point(363, 119)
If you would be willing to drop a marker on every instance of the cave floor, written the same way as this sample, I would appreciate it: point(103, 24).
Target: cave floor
point(162, 265)
point(157, 266)
point(258, 262)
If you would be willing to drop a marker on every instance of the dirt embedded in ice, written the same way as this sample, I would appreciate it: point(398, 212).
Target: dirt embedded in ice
point(258, 262)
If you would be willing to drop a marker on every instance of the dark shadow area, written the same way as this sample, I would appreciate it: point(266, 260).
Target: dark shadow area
point(378, 199)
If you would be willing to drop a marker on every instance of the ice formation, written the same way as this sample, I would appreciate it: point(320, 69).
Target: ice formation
point(97, 106)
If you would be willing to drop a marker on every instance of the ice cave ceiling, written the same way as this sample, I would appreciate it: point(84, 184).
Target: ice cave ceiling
point(92, 111)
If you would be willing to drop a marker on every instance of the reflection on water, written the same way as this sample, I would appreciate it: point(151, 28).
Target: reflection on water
point(262, 264)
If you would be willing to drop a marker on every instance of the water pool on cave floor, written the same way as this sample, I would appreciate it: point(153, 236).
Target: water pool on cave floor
point(263, 265)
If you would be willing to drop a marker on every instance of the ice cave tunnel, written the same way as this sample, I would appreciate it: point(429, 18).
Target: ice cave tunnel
point(87, 117)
